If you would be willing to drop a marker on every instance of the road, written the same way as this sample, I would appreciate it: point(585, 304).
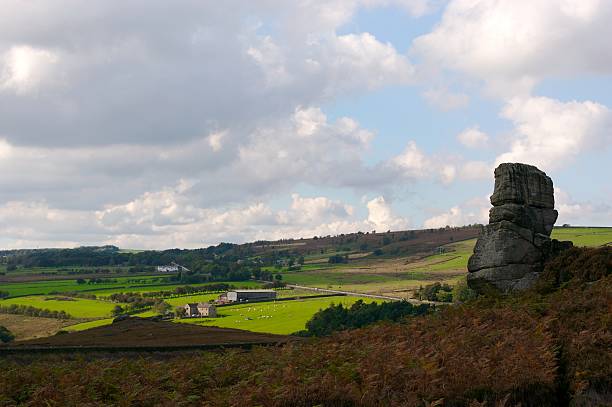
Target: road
point(380, 297)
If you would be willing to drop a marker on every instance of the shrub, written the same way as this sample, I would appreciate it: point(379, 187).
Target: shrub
point(117, 310)
point(6, 335)
point(338, 318)
point(435, 292)
point(33, 311)
point(338, 258)
point(581, 264)
point(463, 293)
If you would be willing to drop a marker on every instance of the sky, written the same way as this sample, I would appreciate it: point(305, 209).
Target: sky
point(155, 124)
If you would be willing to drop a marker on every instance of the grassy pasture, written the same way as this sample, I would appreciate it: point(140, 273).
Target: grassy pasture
point(179, 301)
point(62, 270)
point(281, 317)
point(121, 286)
point(207, 297)
point(46, 287)
point(25, 327)
point(167, 287)
point(77, 307)
point(584, 236)
point(89, 324)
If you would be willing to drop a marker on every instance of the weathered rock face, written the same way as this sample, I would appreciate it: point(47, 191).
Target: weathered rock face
point(514, 246)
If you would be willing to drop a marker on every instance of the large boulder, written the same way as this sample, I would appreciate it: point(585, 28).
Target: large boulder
point(524, 185)
point(511, 252)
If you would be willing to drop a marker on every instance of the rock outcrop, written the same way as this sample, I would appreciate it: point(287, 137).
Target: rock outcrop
point(515, 244)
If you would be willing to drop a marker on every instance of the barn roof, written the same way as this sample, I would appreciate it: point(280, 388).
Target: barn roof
point(205, 305)
point(253, 291)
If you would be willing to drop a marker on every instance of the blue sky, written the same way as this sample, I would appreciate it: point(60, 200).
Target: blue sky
point(149, 126)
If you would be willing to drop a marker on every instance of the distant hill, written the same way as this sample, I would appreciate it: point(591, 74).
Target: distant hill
point(395, 243)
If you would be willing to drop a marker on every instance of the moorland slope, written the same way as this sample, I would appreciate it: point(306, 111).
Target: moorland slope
point(549, 346)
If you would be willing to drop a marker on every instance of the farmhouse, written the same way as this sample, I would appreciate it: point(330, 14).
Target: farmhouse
point(199, 310)
point(247, 295)
point(171, 268)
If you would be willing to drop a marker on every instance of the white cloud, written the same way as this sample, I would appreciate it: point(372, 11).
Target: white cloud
point(412, 161)
point(550, 134)
point(581, 213)
point(216, 140)
point(448, 173)
point(133, 77)
point(169, 218)
point(473, 137)
point(414, 164)
point(473, 211)
point(512, 44)
point(362, 60)
point(381, 217)
point(24, 68)
point(472, 170)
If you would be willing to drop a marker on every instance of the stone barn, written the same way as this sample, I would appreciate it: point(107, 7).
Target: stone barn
point(199, 310)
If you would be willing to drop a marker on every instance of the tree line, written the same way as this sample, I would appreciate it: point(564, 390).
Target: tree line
point(339, 318)
point(33, 311)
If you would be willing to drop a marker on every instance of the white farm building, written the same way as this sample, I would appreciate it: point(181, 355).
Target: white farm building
point(248, 295)
point(171, 268)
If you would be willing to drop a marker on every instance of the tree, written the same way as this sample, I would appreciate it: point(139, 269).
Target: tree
point(278, 277)
point(6, 335)
point(118, 310)
point(4, 294)
point(301, 260)
point(80, 281)
point(462, 293)
point(161, 307)
point(337, 258)
point(180, 312)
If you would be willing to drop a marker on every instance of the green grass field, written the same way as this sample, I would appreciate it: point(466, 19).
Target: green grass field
point(382, 276)
point(78, 307)
point(46, 287)
point(455, 259)
point(330, 278)
point(167, 287)
point(280, 317)
point(179, 301)
point(61, 270)
point(122, 285)
point(89, 324)
point(584, 236)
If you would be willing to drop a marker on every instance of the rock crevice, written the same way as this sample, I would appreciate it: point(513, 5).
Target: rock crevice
point(511, 252)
